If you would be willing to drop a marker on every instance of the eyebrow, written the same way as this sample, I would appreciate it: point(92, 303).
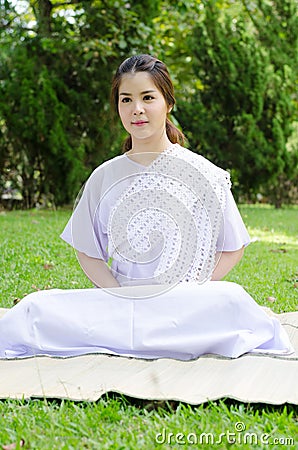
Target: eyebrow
point(142, 93)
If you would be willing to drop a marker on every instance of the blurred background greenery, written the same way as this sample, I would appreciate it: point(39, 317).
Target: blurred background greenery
point(235, 69)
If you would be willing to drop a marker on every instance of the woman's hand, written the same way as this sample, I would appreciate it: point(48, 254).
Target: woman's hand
point(225, 262)
point(97, 271)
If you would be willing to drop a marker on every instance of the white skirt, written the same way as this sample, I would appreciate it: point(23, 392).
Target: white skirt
point(184, 322)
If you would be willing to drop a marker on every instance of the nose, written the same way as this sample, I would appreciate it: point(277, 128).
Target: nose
point(138, 108)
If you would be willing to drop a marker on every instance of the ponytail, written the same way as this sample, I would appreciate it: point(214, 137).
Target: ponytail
point(174, 134)
point(127, 144)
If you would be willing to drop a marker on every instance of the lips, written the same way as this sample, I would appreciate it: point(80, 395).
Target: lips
point(139, 123)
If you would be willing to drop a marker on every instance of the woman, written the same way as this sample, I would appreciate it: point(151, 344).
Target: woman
point(156, 229)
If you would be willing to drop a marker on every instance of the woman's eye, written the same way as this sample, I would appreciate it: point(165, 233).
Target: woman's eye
point(148, 97)
point(125, 100)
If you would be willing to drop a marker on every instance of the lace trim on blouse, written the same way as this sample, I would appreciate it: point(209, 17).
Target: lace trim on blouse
point(171, 214)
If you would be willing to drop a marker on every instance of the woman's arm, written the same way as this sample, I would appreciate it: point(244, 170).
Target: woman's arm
point(225, 262)
point(97, 271)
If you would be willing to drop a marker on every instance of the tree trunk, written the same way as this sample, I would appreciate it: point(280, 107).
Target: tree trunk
point(43, 16)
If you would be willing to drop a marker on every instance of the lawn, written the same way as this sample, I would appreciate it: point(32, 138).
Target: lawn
point(33, 257)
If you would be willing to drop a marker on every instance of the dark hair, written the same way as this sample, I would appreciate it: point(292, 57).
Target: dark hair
point(161, 78)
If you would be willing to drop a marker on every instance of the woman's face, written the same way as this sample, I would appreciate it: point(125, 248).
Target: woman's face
point(142, 107)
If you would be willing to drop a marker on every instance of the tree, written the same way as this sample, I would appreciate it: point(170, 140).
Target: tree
point(240, 110)
point(234, 66)
point(55, 79)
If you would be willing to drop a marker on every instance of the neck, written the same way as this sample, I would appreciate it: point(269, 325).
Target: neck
point(145, 153)
point(157, 145)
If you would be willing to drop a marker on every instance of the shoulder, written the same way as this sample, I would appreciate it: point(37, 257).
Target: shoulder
point(109, 164)
point(210, 170)
point(107, 169)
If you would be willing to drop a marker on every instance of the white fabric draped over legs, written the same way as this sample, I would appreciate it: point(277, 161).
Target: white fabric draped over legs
point(183, 323)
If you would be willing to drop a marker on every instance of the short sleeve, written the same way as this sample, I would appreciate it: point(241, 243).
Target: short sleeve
point(233, 234)
point(84, 231)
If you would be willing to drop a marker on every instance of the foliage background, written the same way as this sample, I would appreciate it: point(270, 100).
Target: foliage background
point(234, 66)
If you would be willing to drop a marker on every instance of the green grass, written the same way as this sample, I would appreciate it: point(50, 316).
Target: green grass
point(33, 257)
point(269, 267)
point(119, 423)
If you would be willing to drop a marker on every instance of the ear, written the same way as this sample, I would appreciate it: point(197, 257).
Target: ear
point(170, 109)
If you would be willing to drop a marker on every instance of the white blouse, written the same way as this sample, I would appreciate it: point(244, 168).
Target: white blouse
point(88, 228)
